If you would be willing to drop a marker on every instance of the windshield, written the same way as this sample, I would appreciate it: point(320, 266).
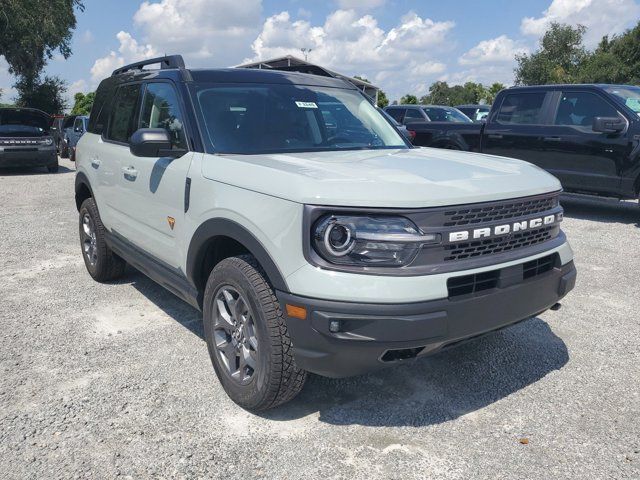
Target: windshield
point(23, 123)
point(630, 96)
point(441, 114)
point(250, 119)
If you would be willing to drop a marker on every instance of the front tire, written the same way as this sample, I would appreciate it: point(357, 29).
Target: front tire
point(102, 264)
point(247, 336)
point(53, 168)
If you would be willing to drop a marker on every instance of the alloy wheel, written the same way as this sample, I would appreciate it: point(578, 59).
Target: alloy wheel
point(89, 241)
point(234, 334)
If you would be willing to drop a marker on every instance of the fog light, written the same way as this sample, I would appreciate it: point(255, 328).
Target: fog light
point(334, 326)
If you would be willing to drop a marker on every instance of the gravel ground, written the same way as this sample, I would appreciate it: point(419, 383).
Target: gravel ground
point(99, 381)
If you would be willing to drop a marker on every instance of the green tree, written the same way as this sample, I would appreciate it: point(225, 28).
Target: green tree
point(31, 31)
point(409, 99)
point(383, 101)
point(83, 103)
point(47, 94)
point(492, 91)
point(558, 59)
point(615, 60)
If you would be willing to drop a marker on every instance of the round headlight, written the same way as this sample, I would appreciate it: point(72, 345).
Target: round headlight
point(338, 239)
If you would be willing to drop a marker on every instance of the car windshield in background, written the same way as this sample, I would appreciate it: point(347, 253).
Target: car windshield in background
point(630, 96)
point(290, 118)
point(23, 123)
point(440, 114)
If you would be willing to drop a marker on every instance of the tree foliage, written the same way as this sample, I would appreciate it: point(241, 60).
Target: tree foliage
point(440, 93)
point(31, 31)
point(562, 58)
point(47, 94)
point(409, 99)
point(83, 103)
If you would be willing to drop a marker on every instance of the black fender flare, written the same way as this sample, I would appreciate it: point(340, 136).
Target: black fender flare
point(216, 227)
point(82, 180)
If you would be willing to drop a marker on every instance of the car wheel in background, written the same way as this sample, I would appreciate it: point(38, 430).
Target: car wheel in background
point(54, 168)
point(72, 155)
point(102, 264)
point(247, 336)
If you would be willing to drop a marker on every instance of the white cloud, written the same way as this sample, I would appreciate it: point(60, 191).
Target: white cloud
point(497, 50)
point(601, 17)
point(6, 81)
point(129, 51)
point(351, 43)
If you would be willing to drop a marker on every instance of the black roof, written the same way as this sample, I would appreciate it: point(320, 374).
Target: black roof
point(25, 109)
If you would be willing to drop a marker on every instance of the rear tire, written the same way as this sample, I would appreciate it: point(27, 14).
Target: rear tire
point(247, 336)
point(102, 264)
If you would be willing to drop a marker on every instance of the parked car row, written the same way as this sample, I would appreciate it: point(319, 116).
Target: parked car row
point(32, 138)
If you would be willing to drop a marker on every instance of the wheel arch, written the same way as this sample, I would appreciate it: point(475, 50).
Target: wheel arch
point(220, 238)
point(83, 189)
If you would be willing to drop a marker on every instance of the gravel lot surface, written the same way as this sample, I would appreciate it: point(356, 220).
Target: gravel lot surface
point(98, 381)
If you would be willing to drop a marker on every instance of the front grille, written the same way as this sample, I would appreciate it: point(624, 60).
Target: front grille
point(20, 149)
point(482, 282)
point(503, 211)
point(479, 248)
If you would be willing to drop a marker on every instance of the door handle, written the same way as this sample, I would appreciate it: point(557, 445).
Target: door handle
point(95, 162)
point(552, 139)
point(130, 173)
point(495, 136)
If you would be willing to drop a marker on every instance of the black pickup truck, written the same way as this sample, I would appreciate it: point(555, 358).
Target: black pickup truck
point(586, 135)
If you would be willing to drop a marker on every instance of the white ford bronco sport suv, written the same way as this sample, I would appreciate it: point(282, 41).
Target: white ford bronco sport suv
point(302, 224)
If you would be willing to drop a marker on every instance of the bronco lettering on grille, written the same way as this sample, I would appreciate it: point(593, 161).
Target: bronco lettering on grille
point(506, 229)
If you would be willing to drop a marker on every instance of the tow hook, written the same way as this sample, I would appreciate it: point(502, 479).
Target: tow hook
point(556, 307)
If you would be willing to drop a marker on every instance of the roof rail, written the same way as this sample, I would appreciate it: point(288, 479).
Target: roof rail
point(168, 61)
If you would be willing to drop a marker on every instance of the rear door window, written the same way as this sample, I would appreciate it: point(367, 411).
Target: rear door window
point(580, 108)
point(413, 115)
point(521, 108)
point(122, 119)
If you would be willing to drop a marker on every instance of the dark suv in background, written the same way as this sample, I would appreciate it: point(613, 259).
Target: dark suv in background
point(25, 139)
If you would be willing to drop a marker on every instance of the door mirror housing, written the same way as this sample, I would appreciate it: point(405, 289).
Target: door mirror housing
point(608, 124)
point(153, 142)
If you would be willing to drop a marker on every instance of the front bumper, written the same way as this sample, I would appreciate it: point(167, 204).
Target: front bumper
point(372, 336)
point(17, 157)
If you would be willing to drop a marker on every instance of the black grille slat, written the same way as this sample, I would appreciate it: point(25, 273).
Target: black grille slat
point(507, 210)
point(498, 245)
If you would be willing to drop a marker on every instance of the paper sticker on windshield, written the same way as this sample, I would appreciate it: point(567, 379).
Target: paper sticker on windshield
point(306, 105)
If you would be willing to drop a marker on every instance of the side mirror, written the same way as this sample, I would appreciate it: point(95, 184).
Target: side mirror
point(608, 124)
point(153, 142)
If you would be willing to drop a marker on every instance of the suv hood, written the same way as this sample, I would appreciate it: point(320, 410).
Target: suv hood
point(407, 178)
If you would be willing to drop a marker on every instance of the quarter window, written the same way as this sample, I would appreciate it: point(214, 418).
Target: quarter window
point(521, 108)
point(160, 110)
point(124, 110)
point(580, 108)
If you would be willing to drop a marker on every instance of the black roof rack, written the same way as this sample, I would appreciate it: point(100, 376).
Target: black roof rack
point(168, 61)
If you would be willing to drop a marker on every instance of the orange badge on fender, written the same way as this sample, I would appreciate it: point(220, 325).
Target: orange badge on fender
point(172, 222)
